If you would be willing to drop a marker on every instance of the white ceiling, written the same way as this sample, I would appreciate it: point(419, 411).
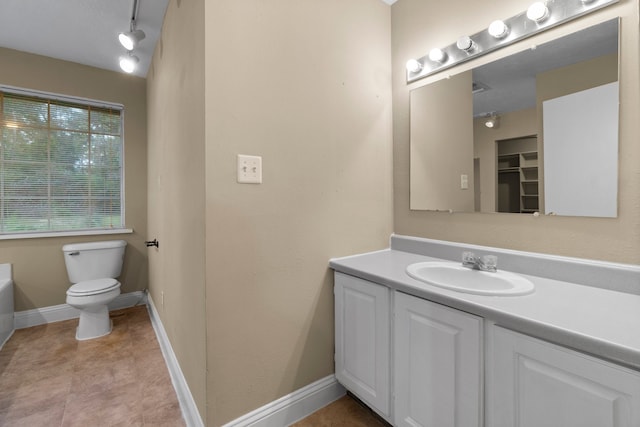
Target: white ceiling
point(82, 31)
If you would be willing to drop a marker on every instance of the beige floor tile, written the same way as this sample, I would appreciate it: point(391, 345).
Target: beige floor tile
point(48, 378)
point(344, 412)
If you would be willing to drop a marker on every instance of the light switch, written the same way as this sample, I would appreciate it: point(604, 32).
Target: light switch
point(464, 182)
point(249, 169)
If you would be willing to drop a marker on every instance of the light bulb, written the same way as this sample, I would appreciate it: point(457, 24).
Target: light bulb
point(128, 63)
point(131, 39)
point(465, 43)
point(413, 66)
point(491, 122)
point(538, 12)
point(437, 55)
point(498, 29)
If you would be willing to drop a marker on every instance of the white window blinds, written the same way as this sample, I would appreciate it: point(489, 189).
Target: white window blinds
point(60, 165)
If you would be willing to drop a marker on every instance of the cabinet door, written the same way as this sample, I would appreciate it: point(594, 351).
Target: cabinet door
point(362, 340)
point(532, 383)
point(438, 365)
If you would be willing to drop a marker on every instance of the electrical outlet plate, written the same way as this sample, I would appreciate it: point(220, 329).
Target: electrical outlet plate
point(249, 169)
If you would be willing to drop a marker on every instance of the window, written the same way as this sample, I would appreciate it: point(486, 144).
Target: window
point(61, 164)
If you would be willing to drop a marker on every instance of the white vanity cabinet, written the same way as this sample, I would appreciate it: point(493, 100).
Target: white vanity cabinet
point(363, 345)
point(438, 365)
point(532, 383)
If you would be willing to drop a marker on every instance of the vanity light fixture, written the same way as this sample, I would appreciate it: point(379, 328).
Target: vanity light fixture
point(437, 55)
point(498, 29)
point(544, 13)
point(413, 66)
point(466, 43)
point(538, 12)
point(129, 62)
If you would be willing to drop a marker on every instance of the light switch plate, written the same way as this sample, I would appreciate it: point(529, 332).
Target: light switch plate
point(464, 182)
point(249, 169)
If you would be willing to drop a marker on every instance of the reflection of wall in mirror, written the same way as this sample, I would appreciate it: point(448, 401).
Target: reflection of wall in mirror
point(441, 145)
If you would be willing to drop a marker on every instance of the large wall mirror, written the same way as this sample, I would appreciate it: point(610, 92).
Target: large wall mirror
point(552, 146)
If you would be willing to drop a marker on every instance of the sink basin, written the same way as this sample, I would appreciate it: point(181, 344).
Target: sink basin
point(454, 276)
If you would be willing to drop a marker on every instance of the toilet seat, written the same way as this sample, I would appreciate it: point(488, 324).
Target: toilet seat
point(93, 287)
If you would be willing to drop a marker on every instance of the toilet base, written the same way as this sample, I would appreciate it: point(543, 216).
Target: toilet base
point(94, 323)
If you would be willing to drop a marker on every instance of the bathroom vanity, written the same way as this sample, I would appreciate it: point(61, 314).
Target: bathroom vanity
point(567, 354)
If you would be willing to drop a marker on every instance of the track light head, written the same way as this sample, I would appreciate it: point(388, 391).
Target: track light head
point(130, 39)
point(128, 63)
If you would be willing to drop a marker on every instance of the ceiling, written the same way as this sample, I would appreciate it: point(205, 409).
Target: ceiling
point(82, 31)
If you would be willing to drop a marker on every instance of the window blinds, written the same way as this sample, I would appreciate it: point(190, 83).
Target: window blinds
point(60, 165)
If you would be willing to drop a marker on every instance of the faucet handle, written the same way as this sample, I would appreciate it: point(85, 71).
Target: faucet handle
point(489, 263)
point(468, 258)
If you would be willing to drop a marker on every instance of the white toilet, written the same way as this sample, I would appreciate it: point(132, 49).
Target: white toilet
point(93, 268)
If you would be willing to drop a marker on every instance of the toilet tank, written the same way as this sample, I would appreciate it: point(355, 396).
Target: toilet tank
point(94, 260)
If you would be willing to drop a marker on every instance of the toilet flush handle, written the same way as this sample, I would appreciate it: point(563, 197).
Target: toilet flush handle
point(153, 242)
point(74, 253)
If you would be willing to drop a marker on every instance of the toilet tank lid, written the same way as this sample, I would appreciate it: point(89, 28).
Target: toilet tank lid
point(109, 244)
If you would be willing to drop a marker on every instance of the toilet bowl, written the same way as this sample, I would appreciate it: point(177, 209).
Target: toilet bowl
point(93, 268)
point(91, 298)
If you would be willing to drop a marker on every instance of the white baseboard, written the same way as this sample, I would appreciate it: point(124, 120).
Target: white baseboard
point(185, 398)
point(293, 407)
point(56, 313)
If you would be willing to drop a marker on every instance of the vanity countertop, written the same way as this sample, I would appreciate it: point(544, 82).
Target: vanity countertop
point(601, 322)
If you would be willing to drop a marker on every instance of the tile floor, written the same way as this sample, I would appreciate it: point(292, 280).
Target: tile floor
point(47, 378)
point(344, 412)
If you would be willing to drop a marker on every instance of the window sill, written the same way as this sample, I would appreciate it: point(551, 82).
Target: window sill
point(65, 233)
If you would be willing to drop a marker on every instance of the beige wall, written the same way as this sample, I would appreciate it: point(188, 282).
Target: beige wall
point(175, 86)
point(306, 85)
point(38, 265)
point(417, 27)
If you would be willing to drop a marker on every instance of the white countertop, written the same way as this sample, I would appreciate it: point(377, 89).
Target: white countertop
point(601, 322)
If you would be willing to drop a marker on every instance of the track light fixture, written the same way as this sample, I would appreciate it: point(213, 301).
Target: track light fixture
point(129, 40)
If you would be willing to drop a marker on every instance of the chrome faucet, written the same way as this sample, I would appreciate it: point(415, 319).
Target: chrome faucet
point(485, 263)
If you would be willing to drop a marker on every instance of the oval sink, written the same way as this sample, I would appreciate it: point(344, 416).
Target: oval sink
point(454, 276)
